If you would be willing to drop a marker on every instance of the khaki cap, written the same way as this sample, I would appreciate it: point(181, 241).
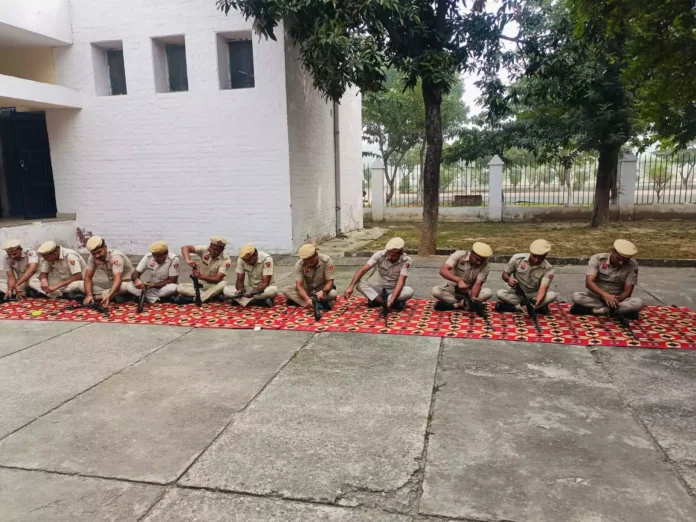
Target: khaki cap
point(625, 248)
point(395, 243)
point(159, 247)
point(247, 251)
point(46, 248)
point(482, 249)
point(11, 244)
point(540, 247)
point(307, 251)
point(94, 243)
point(218, 241)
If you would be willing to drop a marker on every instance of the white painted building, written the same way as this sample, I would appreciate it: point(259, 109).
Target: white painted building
point(231, 140)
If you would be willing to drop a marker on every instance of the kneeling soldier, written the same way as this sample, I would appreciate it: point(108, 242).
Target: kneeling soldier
point(254, 270)
point(62, 272)
point(211, 272)
point(466, 271)
point(118, 269)
point(533, 274)
point(314, 274)
point(392, 266)
point(20, 266)
point(163, 268)
point(611, 277)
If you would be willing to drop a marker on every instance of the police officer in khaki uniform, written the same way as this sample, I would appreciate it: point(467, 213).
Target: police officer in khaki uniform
point(466, 271)
point(162, 268)
point(314, 274)
point(256, 268)
point(392, 266)
point(214, 264)
point(118, 269)
point(533, 274)
point(611, 276)
point(62, 272)
point(20, 266)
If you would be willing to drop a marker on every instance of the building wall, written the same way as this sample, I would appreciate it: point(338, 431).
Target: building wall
point(350, 132)
point(311, 143)
point(30, 63)
point(176, 166)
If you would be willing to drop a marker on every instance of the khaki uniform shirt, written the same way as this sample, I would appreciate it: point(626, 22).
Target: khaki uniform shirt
point(19, 266)
point(609, 278)
point(530, 277)
point(211, 267)
point(116, 262)
point(159, 273)
point(317, 276)
point(67, 265)
point(459, 263)
point(255, 273)
point(389, 272)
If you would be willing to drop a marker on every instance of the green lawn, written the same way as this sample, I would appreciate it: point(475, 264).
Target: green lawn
point(669, 240)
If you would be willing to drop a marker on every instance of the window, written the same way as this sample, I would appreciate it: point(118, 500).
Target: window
point(109, 69)
point(117, 71)
point(169, 61)
point(236, 60)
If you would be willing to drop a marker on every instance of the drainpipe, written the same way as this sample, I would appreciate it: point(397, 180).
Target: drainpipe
point(337, 167)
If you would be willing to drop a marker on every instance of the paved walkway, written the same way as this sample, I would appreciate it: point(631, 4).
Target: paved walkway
point(166, 424)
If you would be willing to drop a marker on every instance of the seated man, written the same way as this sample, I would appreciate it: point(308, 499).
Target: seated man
point(255, 272)
point(214, 263)
point(20, 266)
point(466, 271)
point(62, 273)
point(392, 266)
point(533, 274)
point(314, 274)
point(162, 268)
point(611, 277)
point(118, 269)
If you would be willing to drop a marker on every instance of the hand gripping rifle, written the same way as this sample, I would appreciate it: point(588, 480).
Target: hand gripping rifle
point(243, 292)
point(141, 300)
point(316, 307)
point(475, 305)
point(531, 310)
point(197, 288)
point(619, 318)
point(385, 307)
point(94, 306)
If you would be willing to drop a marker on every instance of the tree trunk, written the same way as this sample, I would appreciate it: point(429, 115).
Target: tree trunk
point(420, 172)
point(431, 172)
point(606, 174)
point(391, 180)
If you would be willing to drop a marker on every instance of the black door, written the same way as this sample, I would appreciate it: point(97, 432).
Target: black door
point(27, 163)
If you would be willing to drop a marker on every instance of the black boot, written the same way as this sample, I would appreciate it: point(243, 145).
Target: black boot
point(290, 302)
point(544, 310)
point(2, 296)
point(505, 308)
point(325, 305)
point(633, 316)
point(183, 299)
point(441, 306)
point(577, 309)
point(373, 304)
point(74, 296)
point(33, 293)
point(399, 306)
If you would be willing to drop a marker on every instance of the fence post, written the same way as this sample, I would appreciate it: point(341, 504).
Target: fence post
point(628, 170)
point(377, 169)
point(495, 189)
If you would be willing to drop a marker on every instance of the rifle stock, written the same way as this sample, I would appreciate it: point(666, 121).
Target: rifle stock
point(141, 301)
point(197, 288)
point(531, 310)
point(475, 306)
point(317, 309)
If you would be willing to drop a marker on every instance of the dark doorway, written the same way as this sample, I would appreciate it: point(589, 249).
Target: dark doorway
point(27, 168)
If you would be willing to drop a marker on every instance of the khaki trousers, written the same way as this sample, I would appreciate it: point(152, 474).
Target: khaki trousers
point(100, 293)
point(152, 295)
point(591, 300)
point(75, 286)
point(207, 292)
point(509, 296)
point(446, 294)
point(270, 292)
point(22, 288)
point(374, 290)
point(291, 293)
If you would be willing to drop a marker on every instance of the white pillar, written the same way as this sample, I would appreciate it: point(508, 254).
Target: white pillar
point(495, 189)
point(628, 172)
point(377, 169)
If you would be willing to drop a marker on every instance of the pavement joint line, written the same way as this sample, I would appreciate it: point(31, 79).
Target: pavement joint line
point(80, 325)
point(428, 426)
point(94, 385)
point(434, 518)
point(652, 295)
point(82, 475)
point(641, 423)
point(157, 501)
point(241, 410)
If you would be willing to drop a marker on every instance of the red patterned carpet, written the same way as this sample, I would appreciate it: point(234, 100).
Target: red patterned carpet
point(659, 326)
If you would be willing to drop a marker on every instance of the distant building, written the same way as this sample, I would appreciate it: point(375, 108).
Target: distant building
point(145, 120)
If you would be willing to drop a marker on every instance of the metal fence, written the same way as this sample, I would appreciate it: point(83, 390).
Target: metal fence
point(534, 183)
point(461, 185)
point(666, 178)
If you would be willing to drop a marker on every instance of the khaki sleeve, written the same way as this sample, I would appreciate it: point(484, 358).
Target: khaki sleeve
point(174, 267)
point(200, 250)
point(117, 264)
point(32, 257)
point(406, 267)
point(632, 277)
point(453, 259)
point(329, 270)
point(91, 263)
point(268, 266)
point(376, 258)
point(593, 266)
point(240, 266)
point(225, 266)
point(73, 264)
point(46, 267)
point(511, 266)
point(299, 272)
point(483, 274)
point(142, 265)
point(548, 277)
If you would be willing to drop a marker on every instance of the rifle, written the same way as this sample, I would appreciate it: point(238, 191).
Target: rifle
point(475, 306)
point(242, 292)
point(385, 307)
point(197, 288)
point(531, 310)
point(317, 309)
point(619, 318)
point(94, 306)
point(141, 300)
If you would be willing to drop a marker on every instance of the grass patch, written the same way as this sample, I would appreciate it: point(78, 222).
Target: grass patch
point(662, 240)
